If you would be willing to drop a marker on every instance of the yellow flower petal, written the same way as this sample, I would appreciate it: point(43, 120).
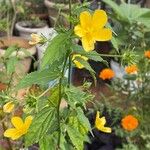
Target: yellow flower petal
point(102, 34)
point(88, 44)
point(35, 39)
point(106, 129)
point(99, 19)
point(100, 122)
point(79, 31)
point(17, 122)
point(12, 133)
point(8, 107)
point(28, 121)
point(85, 19)
point(77, 63)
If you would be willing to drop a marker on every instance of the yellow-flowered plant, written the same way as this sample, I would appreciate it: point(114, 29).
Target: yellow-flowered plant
point(91, 29)
point(100, 123)
point(77, 63)
point(20, 127)
point(8, 107)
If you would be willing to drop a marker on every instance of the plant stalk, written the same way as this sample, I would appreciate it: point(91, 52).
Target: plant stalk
point(59, 102)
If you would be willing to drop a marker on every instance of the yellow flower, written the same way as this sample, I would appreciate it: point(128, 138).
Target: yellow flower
point(8, 107)
point(35, 39)
point(91, 29)
point(20, 129)
point(77, 63)
point(100, 122)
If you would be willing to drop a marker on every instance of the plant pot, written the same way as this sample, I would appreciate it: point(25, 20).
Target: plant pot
point(53, 11)
point(25, 30)
point(3, 87)
point(25, 62)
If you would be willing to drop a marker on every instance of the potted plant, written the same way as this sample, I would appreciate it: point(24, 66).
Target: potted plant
point(28, 22)
point(58, 11)
point(25, 50)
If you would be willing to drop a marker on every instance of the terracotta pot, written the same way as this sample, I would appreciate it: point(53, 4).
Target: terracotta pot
point(25, 62)
point(2, 87)
point(25, 31)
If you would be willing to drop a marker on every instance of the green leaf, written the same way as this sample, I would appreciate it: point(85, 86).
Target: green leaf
point(9, 51)
point(93, 55)
point(27, 53)
point(54, 96)
point(11, 64)
point(55, 50)
point(115, 7)
point(76, 96)
point(85, 64)
point(130, 77)
point(115, 44)
point(47, 142)
point(40, 125)
point(75, 137)
point(86, 127)
point(38, 77)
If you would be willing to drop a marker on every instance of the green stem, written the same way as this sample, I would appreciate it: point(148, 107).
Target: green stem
point(107, 55)
point(59, 102)
point(69, 72)
point(70, 13)
point(70, 26)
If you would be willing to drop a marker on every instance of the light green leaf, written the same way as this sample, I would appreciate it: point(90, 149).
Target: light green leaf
point(11, 64)
point(75, 137)
point(55, 50)
point(40, 125)
point(38, 77)
point(77, 96)
point(9, 51)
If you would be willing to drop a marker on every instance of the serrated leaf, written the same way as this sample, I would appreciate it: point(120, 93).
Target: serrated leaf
point(38, 77)
point(11, 64)
point(55, 50)
point(85, 64)
point(54, 96)
point(46, 143)
point(83, 120)
point(76, 96)
point(40, 125)
point(75, 137)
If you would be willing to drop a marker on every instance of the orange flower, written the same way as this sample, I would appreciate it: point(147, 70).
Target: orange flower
point(131, 69)
point(106, 74)
point(129, 123)
point(147, 54)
